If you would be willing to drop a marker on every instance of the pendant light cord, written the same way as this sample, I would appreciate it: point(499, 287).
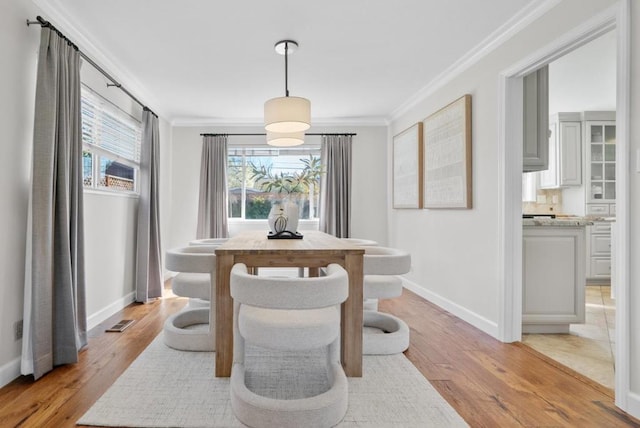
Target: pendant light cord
point(286, 69)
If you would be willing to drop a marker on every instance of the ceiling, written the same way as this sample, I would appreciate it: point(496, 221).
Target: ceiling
point(213, 61)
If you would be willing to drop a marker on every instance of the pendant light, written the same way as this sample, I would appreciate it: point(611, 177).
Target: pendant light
point(288, 139)
point(287, 114)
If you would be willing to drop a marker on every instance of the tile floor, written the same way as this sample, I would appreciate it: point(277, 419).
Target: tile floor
point(589, 348)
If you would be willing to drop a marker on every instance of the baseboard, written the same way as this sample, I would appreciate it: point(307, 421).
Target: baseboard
point(104, 313)
point(633, 404)
point(9, 371)
point(479, 322)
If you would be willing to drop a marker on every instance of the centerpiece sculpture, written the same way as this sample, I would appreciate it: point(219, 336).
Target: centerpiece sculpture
point(291, 188)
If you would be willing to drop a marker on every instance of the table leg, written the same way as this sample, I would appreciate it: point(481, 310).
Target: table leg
point(314, 272)
point(224, 316)
point(351, 311)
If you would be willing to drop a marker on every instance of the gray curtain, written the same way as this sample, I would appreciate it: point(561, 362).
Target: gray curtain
point(212, 203)
point(149, 252)
point(335, 189)
point(55, 308)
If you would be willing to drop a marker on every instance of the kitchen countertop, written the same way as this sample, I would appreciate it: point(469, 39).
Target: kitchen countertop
point(559, 221)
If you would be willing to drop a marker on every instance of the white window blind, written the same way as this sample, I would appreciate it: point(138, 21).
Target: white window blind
point(109, 131)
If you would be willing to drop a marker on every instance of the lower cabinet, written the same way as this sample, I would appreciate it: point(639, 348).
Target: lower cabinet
point(599, 252)
point(553, 270)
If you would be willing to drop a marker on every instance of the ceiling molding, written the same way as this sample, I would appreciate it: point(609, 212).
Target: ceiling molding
point(347, 121)
point(501, 35)
point(55, 12)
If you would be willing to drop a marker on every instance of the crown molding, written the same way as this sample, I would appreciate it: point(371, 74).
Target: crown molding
point(239, 122)
point(55, 12)
point(501, 35)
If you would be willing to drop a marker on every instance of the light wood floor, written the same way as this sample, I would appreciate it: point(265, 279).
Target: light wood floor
point(489, 383)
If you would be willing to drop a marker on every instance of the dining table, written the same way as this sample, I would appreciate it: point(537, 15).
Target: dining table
point(314, 251)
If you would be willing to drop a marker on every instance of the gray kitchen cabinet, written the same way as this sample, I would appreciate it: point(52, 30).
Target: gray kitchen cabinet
point(565, 152)
point(553, 289)
point(536, 120)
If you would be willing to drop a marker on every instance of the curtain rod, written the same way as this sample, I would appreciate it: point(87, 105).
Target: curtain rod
point(44, 23)
point(346, 134)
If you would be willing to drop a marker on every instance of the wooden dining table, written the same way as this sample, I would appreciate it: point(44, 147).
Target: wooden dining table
point(314, 251)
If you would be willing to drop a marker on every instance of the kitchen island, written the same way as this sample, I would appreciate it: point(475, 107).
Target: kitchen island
point(553, 273)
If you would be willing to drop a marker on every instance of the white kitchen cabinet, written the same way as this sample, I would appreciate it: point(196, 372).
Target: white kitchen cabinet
point(536, 120)
point(548, 178)
point(600, 183)
point(599, 246)
point(553, 292)
point(600, 145)
point(565, 152)
point(598, 210)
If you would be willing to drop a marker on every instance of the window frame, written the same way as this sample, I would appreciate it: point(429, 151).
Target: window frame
point(98, 153)
point(248, 150)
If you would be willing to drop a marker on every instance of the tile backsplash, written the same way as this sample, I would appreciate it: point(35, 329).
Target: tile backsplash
point(548, 201)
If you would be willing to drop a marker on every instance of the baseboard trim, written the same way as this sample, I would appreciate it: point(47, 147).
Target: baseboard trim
point(9, 372)
point(633, 404)
point(104, 313)
point(478, 321)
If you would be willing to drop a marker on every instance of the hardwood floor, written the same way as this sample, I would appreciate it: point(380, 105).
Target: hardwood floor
point(489, 383)
point(492, 384)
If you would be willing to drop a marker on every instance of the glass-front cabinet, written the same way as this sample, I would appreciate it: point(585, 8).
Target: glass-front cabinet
point(601, 162)
point(600, 147)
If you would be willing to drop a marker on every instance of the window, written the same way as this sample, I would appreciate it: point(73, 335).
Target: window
point(111, 145)
point(257, 177)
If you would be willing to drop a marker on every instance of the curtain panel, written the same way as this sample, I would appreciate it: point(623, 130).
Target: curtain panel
point(149, 250)
point(212, 202)
point(335, 188)
point(55, 305)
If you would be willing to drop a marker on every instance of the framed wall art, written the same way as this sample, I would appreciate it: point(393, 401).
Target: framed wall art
point(447, 156)
point(407, 168)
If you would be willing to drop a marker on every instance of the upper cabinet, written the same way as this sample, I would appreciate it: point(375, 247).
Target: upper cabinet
point(536, 121)
point(565, 152)
point(600, 128)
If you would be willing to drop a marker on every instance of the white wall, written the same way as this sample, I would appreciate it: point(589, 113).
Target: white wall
point(369, 178)
point(585, 79)
point(634, 205)
point(110, 220)
point(18, 48)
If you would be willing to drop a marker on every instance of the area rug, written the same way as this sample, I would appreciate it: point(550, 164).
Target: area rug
point(168, 388)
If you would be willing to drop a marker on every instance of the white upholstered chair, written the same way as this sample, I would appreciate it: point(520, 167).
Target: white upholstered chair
point(196, 267)
point(386, 334)
point(200, 282)
point(361, 242)
point(209, 241)
point(368, 304)
point(288, 315)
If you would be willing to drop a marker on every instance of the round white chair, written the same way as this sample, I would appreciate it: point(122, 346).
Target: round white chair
point(209, 241)
point(368, 304)
point(372, 304)
point(361, 242)
point(384, 333)
point(189, 329)
point(288, 315)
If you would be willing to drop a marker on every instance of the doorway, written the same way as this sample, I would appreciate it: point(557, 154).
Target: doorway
point(511, 129)
point(582, 88)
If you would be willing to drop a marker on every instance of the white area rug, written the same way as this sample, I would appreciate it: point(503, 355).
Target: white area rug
point(168, 388)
